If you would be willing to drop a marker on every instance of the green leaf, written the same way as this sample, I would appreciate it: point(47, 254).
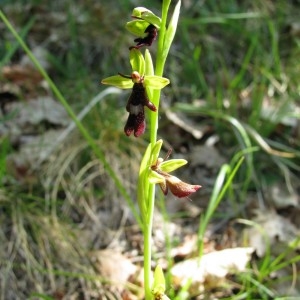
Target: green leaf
point(137, 27)
point(137, 61)
point(40, 296)
point(172, 164)
point(118, 81)
point(156, 82)
point(159, 284)
point(171, 30)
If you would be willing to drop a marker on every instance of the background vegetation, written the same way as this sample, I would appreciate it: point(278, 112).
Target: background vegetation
point(234, 71)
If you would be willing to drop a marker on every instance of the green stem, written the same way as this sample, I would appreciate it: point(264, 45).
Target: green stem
point(161, 58)
point(147, 244)
point(79, 125)
point(159, 68)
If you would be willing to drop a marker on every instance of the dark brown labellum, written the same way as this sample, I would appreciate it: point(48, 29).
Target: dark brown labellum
point(136, 121)
point(135, 106)
point(147, 40)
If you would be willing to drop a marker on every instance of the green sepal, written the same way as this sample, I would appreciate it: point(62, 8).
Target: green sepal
point(118, 81)
point(138, 12)
point(147, 15)
point(137, 27)
point(155, 178)
point(137, 61)
point(156, 82)
point(172, 164)
point(159, 283)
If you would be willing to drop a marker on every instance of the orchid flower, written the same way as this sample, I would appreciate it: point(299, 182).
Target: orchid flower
point(145, 25)
point(160, 169)
point(139, 82)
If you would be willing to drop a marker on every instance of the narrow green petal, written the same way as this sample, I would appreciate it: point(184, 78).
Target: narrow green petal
point(118, 81)
point(155, 152)
point(172, 164)
point(156, 82)
point(149, 69)
point(137, 61)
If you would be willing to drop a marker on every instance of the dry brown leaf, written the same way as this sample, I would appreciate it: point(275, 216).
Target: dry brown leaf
point(207, 156)
point(43, 109)
point(32, 118)
point(289, 288)
point(113, 266)
point(23, 164)
point(186, 124)
point(211, 269)
point(20, 74)
point(187, 247)
point(283, 197)
point(273, 229)
point(34, 127)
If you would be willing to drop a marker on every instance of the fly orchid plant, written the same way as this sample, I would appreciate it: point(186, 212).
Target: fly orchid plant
point(146, 82)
